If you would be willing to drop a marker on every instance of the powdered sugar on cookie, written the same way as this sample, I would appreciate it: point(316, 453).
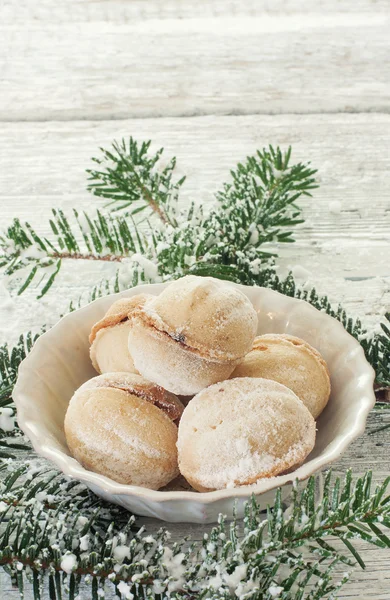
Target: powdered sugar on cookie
point(238, 431)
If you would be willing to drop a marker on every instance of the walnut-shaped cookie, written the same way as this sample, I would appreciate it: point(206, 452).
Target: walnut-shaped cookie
point(292, 362)
point(124, 427)
point(241, 430)
point(109, 349)
point(193, 334)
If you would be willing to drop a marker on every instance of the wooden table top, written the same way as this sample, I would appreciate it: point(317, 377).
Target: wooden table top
point(211, 81)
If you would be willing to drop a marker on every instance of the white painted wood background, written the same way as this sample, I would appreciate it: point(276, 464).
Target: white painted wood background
point(211, 81)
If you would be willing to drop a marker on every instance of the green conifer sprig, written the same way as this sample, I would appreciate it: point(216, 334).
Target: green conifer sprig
point(132, 177)
point(10, 359)
point(234, 240)
point(58, 539)
point(378, 352)
point(250, 214)
point(11, 437)
point(259, 204)
point(34, 259)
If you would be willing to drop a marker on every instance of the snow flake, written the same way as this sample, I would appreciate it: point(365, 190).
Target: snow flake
point(149, 267)
point(124, 589)
point(69, 562)
point(121, 552)
point(255, 266)
point(84, 542)
point(233, 579)
point(7, 419)
point(275, 590)
point(81, 522)
point(175, 568)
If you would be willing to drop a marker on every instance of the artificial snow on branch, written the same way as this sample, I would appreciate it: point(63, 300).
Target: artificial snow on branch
point(132, 177)
point(61, 538)
point(257, 208)
point(33, 259)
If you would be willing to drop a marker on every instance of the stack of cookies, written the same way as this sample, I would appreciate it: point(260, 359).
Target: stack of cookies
point(186, 387)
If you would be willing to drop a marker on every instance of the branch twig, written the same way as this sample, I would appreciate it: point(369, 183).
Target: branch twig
point(81, 256)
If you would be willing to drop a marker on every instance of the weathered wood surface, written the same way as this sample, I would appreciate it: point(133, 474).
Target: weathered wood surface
point(118, 11)
point(87, 60)
point(111, 63)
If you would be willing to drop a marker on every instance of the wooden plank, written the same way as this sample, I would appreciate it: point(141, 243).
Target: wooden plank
point(76, 11)
point(43, 166)
point(256, 62)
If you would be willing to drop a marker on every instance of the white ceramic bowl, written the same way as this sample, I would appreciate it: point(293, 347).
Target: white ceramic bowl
point(59, 363)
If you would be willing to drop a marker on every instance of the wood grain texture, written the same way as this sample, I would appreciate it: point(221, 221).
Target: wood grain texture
point(120, 64)
point(94, 66)
point(120, 11)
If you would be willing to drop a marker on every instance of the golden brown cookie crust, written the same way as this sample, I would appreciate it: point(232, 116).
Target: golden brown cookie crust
point(136, 385)
point(119, 311)
point(115, 425)
point(290, 361)
point(176, 368)
point(295, 341)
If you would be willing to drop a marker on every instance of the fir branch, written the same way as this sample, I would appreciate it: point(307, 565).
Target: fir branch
point(259, 206)
point(10, 360)
point(256, 208)
point(11, 437)
point(44, 518)
point(129, 175)
point(28, 258)
point(378, 353)
point(276, 556)
point(282, 555)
